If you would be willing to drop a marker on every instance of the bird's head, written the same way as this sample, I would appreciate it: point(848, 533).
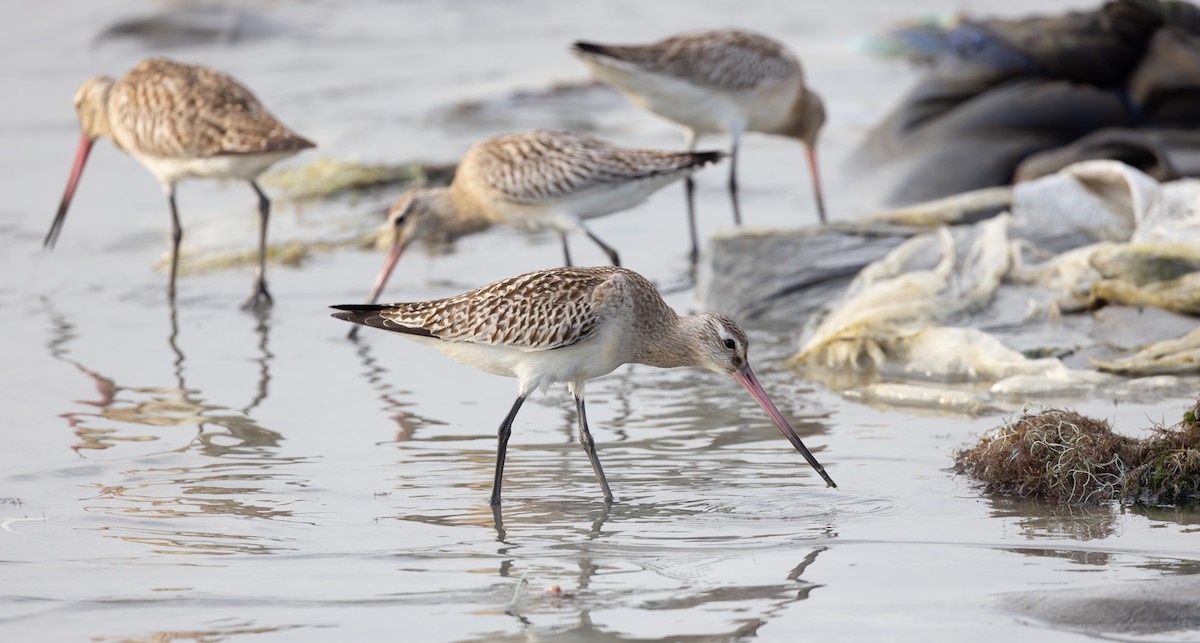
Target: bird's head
point(416, 214)
point(91, 106)
point(411, 217)
point(722, 345)
point(806, 119)
point(808, 115)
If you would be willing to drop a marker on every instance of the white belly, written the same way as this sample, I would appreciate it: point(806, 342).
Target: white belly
point(699, 108)
point(562, 214)
point(246, 167)
point(599, 355)
point(765, 108)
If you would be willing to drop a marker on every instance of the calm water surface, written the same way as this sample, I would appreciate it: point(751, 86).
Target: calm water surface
point(200, 473)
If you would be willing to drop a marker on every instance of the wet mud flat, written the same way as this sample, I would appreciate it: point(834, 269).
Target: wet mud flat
point(202, 473)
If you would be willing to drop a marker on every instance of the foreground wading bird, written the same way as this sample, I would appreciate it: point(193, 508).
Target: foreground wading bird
point(534, 180)
point(571, 325)
point(182, 121)
point(726, 81)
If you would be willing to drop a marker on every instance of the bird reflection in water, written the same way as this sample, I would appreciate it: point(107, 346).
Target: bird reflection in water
point(394, 399)
point(228, 467)
point(502, 535)
point(527, 601)
point(221, 430)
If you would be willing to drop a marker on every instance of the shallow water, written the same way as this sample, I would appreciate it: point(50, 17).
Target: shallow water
point(200, 473)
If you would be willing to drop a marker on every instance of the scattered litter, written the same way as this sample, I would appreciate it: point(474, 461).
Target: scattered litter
point(517, 591)
point(1174, 356)
point(6, 522)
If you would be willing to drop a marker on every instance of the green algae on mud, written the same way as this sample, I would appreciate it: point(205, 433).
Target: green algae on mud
point(326, 178)
point(321, 179)
point(292, 253)
point(1061, 455)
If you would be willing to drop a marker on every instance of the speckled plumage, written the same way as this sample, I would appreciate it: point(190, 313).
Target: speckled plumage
point(182, 121)
point(540, 310)
point(572, 325)
point(546, 167)
point(544, 180)
point(167, 109)
point(728, 59)
point(726, 81)
point(611, 314)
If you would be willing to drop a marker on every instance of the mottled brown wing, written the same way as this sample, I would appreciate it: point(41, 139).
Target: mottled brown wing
point(536, 167)
point(725, 59)
point(540, 310)
point(177, 110)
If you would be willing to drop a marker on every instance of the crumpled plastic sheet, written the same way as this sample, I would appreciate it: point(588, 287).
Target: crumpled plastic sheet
point(1094, 229)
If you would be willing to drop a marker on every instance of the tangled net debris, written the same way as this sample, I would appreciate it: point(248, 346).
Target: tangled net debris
point(1062, 455)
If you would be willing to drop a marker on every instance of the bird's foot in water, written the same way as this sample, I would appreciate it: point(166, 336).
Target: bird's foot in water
point(259, 299)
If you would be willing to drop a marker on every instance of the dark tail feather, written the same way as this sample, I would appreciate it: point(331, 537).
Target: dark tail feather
point(680, 163)
point(369, 315)
point(700, 159)
point(581, 47)
point(365, 314)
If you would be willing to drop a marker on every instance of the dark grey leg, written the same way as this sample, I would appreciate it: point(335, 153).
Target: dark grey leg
point(176, 237)
point(562, 236)
point(689, 191)
point(589, 445)
point(608, 250)
point(689, 187)
point(502, 447)
point(733, 186)
point(260, 296)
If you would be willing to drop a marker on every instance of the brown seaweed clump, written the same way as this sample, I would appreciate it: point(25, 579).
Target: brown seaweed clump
point(1062, 455)
point(1169, 472)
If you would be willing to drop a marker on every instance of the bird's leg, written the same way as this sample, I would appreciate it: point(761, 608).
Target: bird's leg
point(502, 447)
point(733, 186)
point(260, 296)
point(589, 445)
point(566, 249)
point(689, 190)
point(498, 523)
point(816, 181)
point(176, 237)
point(608, 250)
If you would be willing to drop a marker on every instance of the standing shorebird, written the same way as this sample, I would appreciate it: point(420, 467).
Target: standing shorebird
point(572, 325)
point(533, 180)
point(726, 81)
point(182, 121)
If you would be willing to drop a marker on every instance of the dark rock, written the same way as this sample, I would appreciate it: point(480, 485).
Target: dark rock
point(1151, 607)
point(780, 277)
point(1023, 98)
point(191, 25)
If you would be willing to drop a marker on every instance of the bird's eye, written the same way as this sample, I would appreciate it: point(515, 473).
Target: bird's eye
point(400, 220)
point(730, 344)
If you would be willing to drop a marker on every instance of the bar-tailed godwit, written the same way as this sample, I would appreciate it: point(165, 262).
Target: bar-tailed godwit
point(533, 180)
point(182, 121)
point(717, 82)
point(572, 325)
